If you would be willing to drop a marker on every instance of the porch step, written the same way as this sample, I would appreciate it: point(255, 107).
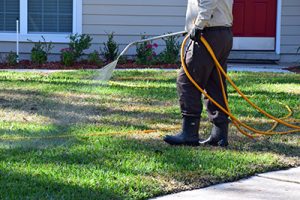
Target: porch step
point(254, 56)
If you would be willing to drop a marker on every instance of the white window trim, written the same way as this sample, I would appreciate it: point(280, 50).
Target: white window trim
point(57, 38)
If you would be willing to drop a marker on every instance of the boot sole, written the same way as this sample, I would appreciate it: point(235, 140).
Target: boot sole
point(186, 144)
point(213, 144)
point(183, 144)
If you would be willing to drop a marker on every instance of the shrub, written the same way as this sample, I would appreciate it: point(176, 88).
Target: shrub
point(94, 58)
point(111, 49)
point(170, 55)
point(67, 57)
point(79, 43)
point(40, 51)
point(11, 58)
point(123, 60)
point(146, 52)
point(38, 57)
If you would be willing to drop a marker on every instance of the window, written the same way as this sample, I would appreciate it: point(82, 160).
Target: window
point(9, 12)
point(50, 16)
point(53, 19)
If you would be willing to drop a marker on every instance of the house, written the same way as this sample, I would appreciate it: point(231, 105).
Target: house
point(263, 29)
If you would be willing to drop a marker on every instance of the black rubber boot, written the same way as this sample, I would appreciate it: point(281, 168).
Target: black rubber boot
point(189, 135)
point(219, 135)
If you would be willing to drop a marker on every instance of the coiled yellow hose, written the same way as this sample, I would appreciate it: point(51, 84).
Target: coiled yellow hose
point(226, 110)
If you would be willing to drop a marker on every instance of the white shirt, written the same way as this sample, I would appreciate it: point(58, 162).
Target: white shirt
point(208, 13)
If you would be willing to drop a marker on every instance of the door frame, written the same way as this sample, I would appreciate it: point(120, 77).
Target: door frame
point(264, 43)
point(278, 27)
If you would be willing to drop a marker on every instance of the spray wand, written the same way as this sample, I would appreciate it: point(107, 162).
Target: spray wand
point(107, 71)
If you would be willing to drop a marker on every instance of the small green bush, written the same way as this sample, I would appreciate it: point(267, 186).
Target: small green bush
point(79, 43)
point(111, 49)
point(67, 57)
point(123, 60)
point(38, 57)
point(40, 51)
point(94, 58)
point(170, 55)
point(146, 52)
point(11, 59)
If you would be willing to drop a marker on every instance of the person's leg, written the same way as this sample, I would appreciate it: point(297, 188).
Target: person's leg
point(199, 65)
point(219, 133)
point(214, 89)
point(220, 121)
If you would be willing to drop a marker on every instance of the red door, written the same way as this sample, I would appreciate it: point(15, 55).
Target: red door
point(254, 18)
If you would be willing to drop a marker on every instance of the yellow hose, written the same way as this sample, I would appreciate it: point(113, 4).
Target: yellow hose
point(226, 110)
point(285, 117)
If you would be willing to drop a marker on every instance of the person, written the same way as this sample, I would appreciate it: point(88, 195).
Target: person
point(211, 19)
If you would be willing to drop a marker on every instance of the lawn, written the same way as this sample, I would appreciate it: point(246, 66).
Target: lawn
point(66, 136)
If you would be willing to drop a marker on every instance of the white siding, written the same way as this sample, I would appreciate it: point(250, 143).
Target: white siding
point(129, 19)
point(25, 48)
point(290, 27)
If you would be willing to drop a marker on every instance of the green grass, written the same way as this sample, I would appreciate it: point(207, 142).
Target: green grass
point(119, 161)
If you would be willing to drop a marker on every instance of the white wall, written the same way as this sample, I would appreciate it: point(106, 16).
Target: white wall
point(290, 30)
point(131, 18)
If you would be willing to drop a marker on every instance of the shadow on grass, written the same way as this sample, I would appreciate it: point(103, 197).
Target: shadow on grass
point(121, 154)
point(17, 185)
point(280, 148)
point(177, 168)
point(39, 143)
point(67, 112)
point(68, 115)
point(127, 157)
point(133, 79)
point(78, 85)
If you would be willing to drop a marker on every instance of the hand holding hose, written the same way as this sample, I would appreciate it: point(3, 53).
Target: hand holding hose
point(196, 34)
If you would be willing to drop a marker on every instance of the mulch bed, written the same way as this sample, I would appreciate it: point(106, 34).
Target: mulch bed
point(26, 64)
point(132, 65)
point(295, 69)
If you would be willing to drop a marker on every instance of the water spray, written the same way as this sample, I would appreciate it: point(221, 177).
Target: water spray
point(106, 72)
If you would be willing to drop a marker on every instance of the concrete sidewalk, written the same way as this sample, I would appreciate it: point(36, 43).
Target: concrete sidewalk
point(269, 186)
point(244, 67)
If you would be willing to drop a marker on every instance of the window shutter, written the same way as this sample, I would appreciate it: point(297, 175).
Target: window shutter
point(50, 16)
point(9, 12)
